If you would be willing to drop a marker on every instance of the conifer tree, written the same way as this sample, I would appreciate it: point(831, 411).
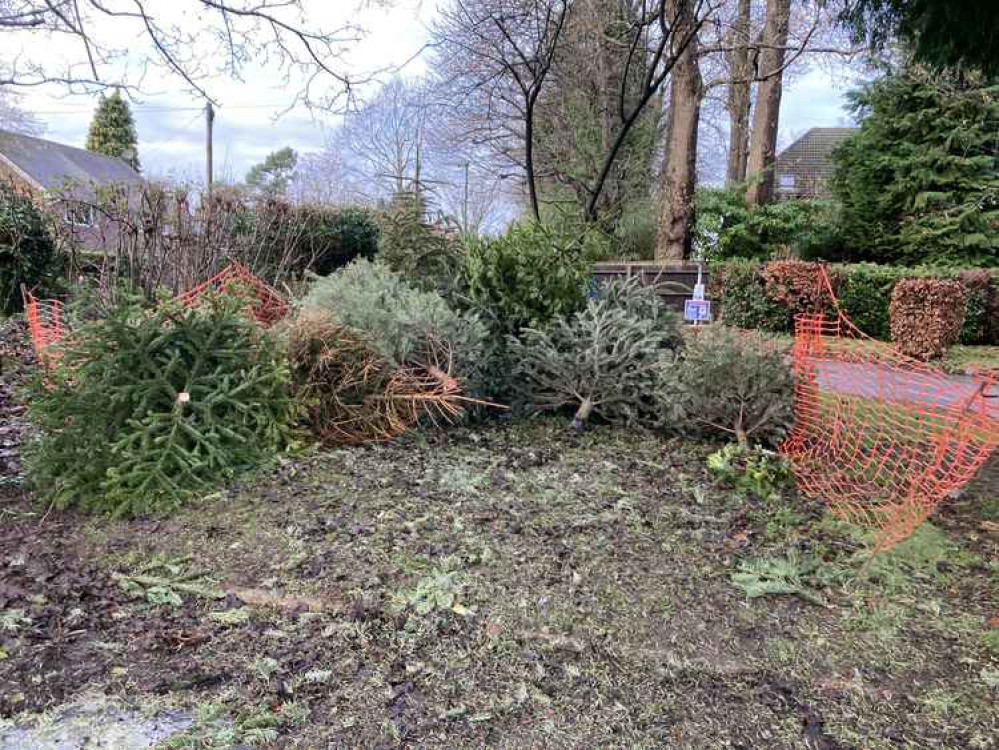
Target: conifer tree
point(112, 131)
point(919, 183)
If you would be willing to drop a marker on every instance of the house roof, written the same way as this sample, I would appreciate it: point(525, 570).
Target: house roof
point(50, 165)
point(808, 160)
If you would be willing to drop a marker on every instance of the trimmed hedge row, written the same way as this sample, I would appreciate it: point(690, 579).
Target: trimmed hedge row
point(927, 315)
point(767, 296)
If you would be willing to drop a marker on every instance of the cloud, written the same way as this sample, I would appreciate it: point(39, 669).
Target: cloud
point(253, 117)
point(255, 114)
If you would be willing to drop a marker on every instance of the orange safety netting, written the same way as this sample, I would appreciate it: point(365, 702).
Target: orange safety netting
point(266, 305)
point(45, 324)
point(881, 437)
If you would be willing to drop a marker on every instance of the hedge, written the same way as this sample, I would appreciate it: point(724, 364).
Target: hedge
point(927, 315)
point(767, 296)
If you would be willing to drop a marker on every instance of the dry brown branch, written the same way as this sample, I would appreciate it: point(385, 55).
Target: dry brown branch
point(352, 395)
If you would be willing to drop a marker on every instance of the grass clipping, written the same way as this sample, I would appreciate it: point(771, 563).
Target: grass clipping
point(352, 394)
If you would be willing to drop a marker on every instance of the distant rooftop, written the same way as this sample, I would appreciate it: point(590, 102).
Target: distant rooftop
point(50, 165)
point(805, 167)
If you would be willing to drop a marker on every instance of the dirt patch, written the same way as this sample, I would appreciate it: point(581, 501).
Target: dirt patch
point(16, 361)
point(510, 586)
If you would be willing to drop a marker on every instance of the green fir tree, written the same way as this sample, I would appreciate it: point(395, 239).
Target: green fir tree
point(920, 182)
point(112, 131)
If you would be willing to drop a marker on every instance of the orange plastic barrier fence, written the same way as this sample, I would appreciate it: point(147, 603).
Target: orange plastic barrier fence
point(879, 436)
point(45, 324)
point(266, 305)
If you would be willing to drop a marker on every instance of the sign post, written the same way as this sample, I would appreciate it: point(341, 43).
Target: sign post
point(697, 309)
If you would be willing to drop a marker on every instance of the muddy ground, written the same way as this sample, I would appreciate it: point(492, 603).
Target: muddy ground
point(511, 586)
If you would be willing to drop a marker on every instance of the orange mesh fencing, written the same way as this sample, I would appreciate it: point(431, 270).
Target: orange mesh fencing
point(265, 303)
point(881, 437)
point(45, 324)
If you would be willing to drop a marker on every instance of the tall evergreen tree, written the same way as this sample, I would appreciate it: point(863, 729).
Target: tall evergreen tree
point(941, 32)
point(272, 176)
point(112, 131)
point(920, 182)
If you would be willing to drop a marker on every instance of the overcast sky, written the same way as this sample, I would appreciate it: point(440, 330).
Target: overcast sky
point(252, 119)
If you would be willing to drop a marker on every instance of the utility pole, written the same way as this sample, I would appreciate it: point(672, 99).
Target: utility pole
point(209, 122)
point(464, 204)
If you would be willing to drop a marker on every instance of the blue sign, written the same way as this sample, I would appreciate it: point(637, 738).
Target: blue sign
point(697, 310)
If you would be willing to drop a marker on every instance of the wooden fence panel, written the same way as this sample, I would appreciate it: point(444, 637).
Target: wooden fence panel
point(675, 280)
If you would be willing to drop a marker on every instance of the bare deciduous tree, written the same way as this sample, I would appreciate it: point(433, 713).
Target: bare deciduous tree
point(496, 56)
point(192, 39)
point(14, 117)
point(386, 137)
point(499, 68)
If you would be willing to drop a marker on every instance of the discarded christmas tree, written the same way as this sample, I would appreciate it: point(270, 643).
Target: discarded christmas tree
point(147, 409)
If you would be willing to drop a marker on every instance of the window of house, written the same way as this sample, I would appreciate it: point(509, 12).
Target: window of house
point(786, 181)
point(80, 214)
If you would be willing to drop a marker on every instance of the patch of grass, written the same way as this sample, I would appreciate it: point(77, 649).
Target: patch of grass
point(991, 641)
point(962, 358)
point(594, 573)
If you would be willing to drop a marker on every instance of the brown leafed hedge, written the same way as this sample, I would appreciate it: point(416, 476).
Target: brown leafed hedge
point(767, 296)
point(797, 285)
point(926, 315)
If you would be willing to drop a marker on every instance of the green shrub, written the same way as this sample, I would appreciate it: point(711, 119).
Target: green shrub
point(157, 407)
point(744, 303)
point(731, 383)
point(526, 278)
point(607, 359)
point(727, 228)
point(864, 291)
point(400, 320)
point(332, 238)
point(766, 296)
point(756, 472)
point(28, 254)
point(981, 300)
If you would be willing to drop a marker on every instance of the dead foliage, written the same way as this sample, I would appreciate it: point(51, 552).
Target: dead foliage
point(352, 395)
point(926, 316)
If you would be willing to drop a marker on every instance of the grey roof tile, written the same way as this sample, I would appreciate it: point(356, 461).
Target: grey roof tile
point(809, 161)
point(55, 165)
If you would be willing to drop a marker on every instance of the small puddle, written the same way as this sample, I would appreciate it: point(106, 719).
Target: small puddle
point(92, 723)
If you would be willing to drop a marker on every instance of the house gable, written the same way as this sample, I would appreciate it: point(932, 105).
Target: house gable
point(805, 168)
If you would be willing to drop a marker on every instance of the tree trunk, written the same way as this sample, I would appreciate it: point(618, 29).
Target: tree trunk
point(763, 147)
point(676, 213)
point(739, 96)
point(532, 180)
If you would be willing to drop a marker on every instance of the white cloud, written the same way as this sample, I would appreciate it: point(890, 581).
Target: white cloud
point(253, 117)
point(255, 114)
